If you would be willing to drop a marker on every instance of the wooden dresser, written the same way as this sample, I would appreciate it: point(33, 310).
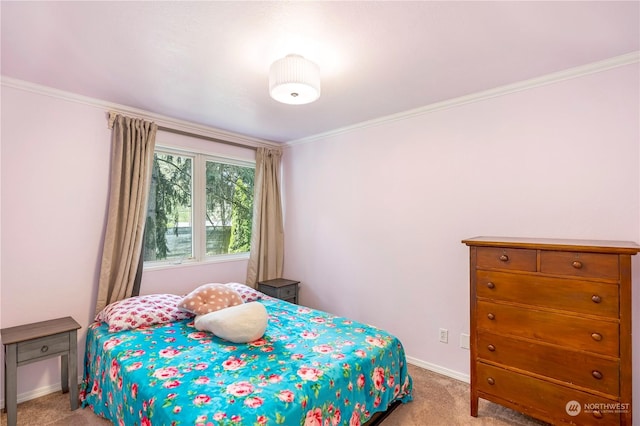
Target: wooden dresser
point(551, 328)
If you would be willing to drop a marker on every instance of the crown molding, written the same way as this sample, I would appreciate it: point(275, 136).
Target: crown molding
point(197, 129)
point(571, 73)
point(160, 120)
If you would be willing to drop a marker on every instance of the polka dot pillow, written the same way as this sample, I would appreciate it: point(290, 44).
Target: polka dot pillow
point(140, 311)
point(247, 293)
point(210, 298)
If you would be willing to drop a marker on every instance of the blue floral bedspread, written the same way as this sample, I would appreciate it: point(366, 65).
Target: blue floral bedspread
point(310, 368)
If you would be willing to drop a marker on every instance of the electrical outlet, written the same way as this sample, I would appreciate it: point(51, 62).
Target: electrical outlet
point(444, 335)
point(464, 341)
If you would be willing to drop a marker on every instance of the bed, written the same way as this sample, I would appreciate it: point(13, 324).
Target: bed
point(309, 368)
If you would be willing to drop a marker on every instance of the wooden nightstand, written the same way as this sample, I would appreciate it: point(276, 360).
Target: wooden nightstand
point(280, 288)
point(29, 343)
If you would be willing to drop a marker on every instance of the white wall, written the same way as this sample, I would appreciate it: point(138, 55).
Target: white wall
point(375, 215)
point(55, 180)
point(55, 159)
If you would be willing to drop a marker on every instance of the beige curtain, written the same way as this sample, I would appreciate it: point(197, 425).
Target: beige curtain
point(267, 236)
point(132, 144)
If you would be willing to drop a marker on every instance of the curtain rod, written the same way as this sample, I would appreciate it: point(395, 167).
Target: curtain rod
point(208, 138)
point(113, 114)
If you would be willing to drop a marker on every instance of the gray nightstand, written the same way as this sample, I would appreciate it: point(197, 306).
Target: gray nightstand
point(280, 288)
point(29, 343)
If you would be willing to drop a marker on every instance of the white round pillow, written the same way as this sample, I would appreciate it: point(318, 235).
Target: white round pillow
point(238, 324)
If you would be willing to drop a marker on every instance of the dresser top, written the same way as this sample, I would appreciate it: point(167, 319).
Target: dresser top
point(595, 246)
point(35, 330)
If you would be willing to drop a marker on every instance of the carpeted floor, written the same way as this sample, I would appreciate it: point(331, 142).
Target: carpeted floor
point(437, 400)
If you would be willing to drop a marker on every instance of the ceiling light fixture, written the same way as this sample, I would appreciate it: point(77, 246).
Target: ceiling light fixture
point(294, 80)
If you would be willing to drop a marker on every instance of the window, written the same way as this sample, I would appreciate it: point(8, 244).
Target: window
point(229, 208)
point(200, 208)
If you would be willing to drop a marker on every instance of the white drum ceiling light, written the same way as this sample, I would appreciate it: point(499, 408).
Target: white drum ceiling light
point(294, 80)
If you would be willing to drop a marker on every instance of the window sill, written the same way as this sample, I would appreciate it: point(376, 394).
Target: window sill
point(157, 266)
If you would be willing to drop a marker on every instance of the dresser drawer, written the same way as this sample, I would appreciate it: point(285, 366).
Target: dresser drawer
point(43, 347)
point(545, 399)
point(573, 295)
point(571, 331)
point(587, 265)
point(506, 258)
point(576, 367)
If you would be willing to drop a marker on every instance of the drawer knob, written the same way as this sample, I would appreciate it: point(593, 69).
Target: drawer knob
point(596, 374)
point(504, 258)
point(596, 336)
point(491, 348)
point(491, 316)
point(596, 298)
point(44, 349)
point(597, 414)
point(491, 285)
point(576, 264)
point(491, 381)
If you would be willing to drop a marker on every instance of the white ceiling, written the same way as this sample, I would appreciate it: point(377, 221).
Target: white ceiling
point(208, 62)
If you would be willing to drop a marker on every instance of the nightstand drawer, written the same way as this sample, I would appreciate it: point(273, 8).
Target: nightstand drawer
point(43, 347)
point(287, 292)
point(269, 291)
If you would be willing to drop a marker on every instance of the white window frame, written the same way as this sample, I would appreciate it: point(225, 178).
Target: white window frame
point(198, 217)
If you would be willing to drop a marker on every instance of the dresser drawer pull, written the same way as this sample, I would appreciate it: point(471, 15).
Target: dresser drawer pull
point(491, 348)
point(491, 317)
point(491, 285)
point(504, 258)
point(596, 336)
point(491, 381)
point(596, 299)
point(576, 264)
point(597, 414)
point(44, 349)
point(596, 374)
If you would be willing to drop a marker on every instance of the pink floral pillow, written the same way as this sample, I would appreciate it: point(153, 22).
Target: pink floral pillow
point(247, 293)
point(139, 311)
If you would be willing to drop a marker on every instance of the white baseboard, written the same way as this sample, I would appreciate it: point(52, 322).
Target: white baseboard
point(37, 393)
point(439, 369)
